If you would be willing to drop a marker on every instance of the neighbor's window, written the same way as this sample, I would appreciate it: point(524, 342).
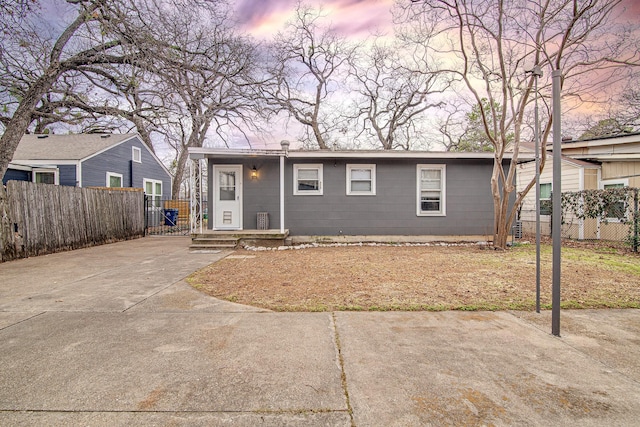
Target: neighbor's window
point(431, 190)
point(618, 210)
point(361, 180)
point(153, 190)
point(45, 177)
point(114, 179)
point(307, 179)
point(545, 199)
point(136, 154)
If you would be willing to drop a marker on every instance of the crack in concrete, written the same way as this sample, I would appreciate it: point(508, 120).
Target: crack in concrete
point(343, 374)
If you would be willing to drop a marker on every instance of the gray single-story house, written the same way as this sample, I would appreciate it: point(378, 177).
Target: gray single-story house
point(349, 193)
point(90, 160)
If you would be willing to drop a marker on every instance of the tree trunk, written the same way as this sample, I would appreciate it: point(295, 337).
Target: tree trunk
point(21, 119)
point(318, 134)
point(179, 174)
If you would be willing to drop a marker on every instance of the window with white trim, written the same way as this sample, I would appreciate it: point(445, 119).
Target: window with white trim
point(431, 185)
point(114, 179)
point(545, 198)
point(617, 210)
point(307, 179)
point(46, 176)
point(361, 180)
point(153, 190)
point(136, 154)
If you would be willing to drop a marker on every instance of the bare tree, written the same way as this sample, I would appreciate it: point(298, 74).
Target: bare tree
point(209, 74)
point(492, 43)
point(397, 87)
point(307, 60)
point(101, 34)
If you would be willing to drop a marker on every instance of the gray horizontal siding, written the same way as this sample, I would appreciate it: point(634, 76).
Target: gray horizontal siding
point(16, 175)
point(259, 195)
point(67, 175)
point(392, 211)
point(118, 160)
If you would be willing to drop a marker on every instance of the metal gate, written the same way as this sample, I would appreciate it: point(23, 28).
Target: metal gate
point(166, 217)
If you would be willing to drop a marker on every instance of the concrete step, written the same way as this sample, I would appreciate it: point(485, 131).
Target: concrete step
point(199, 243)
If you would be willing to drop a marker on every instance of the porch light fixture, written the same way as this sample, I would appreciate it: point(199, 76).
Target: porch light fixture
point(254, 173)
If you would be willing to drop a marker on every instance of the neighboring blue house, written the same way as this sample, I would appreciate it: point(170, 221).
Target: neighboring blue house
point(90, 160)
point(350, 193)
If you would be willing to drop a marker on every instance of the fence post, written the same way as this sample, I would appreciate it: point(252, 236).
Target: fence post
point(146, 215)
point(635, 220)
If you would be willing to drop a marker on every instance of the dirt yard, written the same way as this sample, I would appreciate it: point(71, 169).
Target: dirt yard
point(420, 278)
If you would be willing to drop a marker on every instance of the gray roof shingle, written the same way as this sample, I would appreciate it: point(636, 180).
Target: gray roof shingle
point(65, 147)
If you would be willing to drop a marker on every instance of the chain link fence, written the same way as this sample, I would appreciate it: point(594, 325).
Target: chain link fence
point(592, 215)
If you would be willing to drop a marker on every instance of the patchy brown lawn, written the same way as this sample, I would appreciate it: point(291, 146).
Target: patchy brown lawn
point(419, 278)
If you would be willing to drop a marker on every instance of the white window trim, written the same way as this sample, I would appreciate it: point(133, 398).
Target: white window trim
point(550, 200)
point(625, 183)
point(443, 190)
point(297, 192)
point(153, 185)
point(156, 199)
point(352, 166)
point(135, 150)
point(119, 175)
point(56, 174)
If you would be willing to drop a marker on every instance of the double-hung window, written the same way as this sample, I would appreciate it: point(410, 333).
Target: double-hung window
point(361, 180)
point(45, 176)
point(307, 179)
point(431, 185)
point(153, 190)
point(545, 198)
point(616, 211)
point(136, 154)
point(114, 179)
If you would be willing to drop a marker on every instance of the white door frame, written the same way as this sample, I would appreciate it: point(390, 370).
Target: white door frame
point(235, 209)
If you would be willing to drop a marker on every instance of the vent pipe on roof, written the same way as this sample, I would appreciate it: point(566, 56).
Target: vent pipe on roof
point(43, 136)
point(105, 136)
point(285, 145)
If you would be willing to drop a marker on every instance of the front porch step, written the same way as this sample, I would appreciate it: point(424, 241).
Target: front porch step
point(236, 238)
point(200, 243)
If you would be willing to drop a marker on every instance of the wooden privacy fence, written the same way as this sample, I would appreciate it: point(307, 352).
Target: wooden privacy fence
point(40, 218)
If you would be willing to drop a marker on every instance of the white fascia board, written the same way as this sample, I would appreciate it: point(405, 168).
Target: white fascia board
point(203, 152)
point(608, 157)
point(385, 154)
point(19, 166)
point(39, 163)
point(613, 140)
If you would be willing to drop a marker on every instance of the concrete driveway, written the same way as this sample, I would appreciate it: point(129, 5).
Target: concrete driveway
point(112, 335)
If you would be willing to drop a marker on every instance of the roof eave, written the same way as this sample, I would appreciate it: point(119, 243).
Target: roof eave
point(202, 152)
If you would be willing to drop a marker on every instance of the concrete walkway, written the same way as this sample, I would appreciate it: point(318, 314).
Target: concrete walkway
point(113, 336)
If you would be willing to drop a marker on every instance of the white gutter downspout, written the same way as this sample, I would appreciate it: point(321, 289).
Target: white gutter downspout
point(285, 148)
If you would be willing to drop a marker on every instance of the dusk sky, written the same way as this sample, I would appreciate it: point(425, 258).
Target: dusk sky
point(356, 18)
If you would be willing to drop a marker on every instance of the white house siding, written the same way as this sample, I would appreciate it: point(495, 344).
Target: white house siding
point(617, 170)
point(573, 179)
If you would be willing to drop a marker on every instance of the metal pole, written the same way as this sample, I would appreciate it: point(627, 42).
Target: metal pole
point(556, 203)
point(635, 220)
point(537, 72)
point(282, 194)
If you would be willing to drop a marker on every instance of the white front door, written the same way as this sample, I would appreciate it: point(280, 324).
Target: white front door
point(228, 197)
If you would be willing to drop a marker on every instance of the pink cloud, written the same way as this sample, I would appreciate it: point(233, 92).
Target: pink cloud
point(351, 17)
